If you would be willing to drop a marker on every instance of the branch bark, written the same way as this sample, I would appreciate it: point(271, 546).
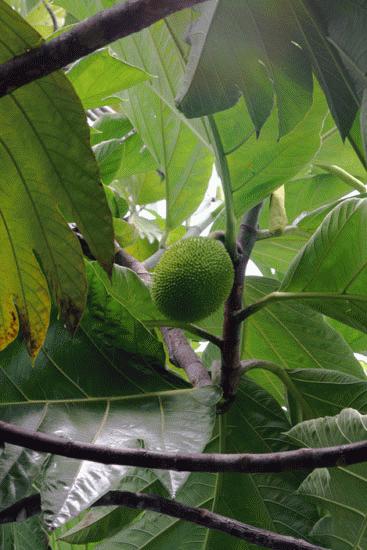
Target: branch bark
point(200, 516)
point(231, 352)
point(301, 459)
point(84, 38)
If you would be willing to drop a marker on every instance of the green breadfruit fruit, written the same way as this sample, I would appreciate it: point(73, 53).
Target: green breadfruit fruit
point(193, 279)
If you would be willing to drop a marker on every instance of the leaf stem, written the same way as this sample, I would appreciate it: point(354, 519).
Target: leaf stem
point(305, 410)
point(343, 175)
point(223, 172)
point(286, 296)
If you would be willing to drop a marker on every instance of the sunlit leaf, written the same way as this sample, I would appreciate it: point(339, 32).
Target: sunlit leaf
point(48, 172)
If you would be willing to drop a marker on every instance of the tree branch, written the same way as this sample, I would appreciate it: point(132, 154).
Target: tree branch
point(180, 352)
point(200, 516)
point(84, 38)
point(231, 352)
point(189, 327)
point(301, 459)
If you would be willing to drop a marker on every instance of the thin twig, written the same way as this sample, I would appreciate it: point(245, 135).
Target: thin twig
point(171, 508)
point(301, 459)
point(231, 347)
point(84, 38)
point(51, 14)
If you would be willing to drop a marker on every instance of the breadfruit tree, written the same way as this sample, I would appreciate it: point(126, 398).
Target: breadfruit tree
point(183, 280)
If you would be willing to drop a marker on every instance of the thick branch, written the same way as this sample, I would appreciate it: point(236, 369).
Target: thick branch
point(302, 459)
point(181, 353)
point(199, 516)
point(84, 38)
point(231, 352)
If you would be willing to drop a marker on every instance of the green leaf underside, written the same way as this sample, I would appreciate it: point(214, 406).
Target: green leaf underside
point(83, 391)
point(258, 167)
point(294, 337)
point(51, 173)
point(333, 263)
point(23, 535)
point(338, 492)
point(241, 48)
point(256, 424)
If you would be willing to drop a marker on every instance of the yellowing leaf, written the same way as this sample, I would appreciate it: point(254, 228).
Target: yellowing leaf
point(48, 176)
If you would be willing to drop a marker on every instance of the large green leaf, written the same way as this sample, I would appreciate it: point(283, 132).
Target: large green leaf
point(328, 392)
point(260, 166)
point(331, 269)
point(338, 492)
point(99, 76)
point(255, 423)
point(236, 47)
point(48, 172)
point(293, 336)
point(81, 390)
point(178, 146)
point(278, 252)
point(289, 334)
point(115, 325)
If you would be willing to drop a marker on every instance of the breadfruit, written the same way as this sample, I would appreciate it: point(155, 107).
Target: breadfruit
point(193, 279)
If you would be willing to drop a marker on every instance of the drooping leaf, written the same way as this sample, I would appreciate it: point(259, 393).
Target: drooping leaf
point(326, 62)
point(338, 492)
point(97, 77)
point(48, 172)
point(240, 48)
point(333, 266)
point(260, 166)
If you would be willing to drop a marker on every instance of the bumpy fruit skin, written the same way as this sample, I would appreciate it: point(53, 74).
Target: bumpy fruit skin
point(193, 279)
